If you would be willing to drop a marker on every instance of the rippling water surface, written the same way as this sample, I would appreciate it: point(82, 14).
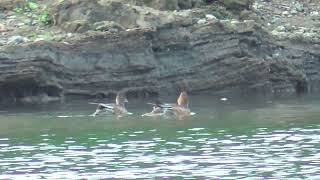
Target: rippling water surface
point(278, 139)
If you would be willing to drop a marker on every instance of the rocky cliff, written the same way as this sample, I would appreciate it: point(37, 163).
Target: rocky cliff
point(148, 51)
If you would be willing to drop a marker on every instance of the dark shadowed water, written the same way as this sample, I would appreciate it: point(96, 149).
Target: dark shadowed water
point(243, 139)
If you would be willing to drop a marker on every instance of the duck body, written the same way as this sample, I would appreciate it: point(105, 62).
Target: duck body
point(156, 112)
point(179, 110)
point(118, 108)
point(182, 112)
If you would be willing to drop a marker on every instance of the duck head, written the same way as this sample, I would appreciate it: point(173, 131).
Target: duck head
point(121, 99)
point(183, 99)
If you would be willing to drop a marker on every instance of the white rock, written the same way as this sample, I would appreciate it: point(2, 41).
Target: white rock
point(234, 21)
point(308, 35)
point(294, 11)
point(300, 31)
point(14, 40)
point(255, 6)
point(2, 27)
point(210, 17)
point(275, 55)
point(38, 39)
point(281, 28)
point(314, 13)
point(285, 13)
point(224, 99)
point(202, 21)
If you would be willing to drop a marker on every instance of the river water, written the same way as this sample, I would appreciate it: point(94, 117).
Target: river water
point(243, 139)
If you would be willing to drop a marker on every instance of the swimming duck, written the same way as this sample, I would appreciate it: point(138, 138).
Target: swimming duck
point(117, 109)
point(180, 110)
point(158, 110)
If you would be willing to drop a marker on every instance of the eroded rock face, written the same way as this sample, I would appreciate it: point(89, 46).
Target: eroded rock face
point(81, 16)
point(29, 80)
point(78, 16)
point(213, 57)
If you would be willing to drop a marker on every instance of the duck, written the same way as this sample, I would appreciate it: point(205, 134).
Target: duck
point(118, 108)
point(180, 110)
point(158, 110)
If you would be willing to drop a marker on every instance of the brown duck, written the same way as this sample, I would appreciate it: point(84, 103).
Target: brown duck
point(180, 110)
point(118, 108)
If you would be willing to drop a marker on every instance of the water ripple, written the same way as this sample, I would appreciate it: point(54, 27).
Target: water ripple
point(192, 153)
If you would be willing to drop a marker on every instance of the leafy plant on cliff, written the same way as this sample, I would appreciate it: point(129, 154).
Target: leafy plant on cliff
point(45, 18)
point(28, 6)
point(220, 13)
point(48, 36)
point(32, 9)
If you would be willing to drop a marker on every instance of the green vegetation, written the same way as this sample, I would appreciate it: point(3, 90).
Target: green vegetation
point(45, 18)
point(28, 6)
point(220, 13)
point(48, 36)
point(33, 6)
point(33, 9)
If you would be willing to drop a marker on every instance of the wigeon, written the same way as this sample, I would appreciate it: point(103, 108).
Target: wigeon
point(180, 110)
point(118, 109)
point(158, 110)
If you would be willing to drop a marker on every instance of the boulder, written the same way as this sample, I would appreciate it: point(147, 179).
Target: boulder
point(243, 27)
point(106, 15)
point(75, 14)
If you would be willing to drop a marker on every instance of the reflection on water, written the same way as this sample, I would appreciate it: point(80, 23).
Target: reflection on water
point(228, 140)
